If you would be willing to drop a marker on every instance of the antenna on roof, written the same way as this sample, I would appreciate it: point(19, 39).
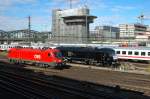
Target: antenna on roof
point(29, 28)
point(85, 4)
point(141, 18)
point(70, 2)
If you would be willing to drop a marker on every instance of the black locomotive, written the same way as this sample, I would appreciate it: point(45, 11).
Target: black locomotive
point(89, 55)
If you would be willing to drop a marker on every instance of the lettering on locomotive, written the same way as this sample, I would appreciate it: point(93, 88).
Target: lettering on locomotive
point(36, 56)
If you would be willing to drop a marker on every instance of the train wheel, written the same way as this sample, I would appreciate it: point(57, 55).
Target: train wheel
point(148, 62)
point(59, 66)
point(18, 62)
point(22, 62)
point(46, 65)
point(91, 62)
point(35, 64)
point(103, 64)
point(70, 61)
point(11, 61)
point(41, 65)
point(87, 62)
point(15, 61)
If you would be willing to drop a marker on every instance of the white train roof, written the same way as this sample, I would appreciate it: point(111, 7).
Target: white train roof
point(132, 48)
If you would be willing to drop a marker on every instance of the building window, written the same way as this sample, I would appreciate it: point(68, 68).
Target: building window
point(136, 53)
point(142, 53)
point(129, 52)
point(148, 53)
point(123, 52)
point(118, 52)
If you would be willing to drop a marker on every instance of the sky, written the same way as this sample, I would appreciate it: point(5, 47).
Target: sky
point(14, 13)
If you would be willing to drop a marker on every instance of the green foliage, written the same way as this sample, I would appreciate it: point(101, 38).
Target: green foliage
point(3, 53)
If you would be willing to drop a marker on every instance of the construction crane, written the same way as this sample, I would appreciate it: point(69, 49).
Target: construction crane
point(71, 2)
point(29, 30)
point(142, 17)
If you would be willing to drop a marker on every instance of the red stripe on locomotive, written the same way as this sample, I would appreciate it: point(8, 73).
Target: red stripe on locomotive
point(134, 57)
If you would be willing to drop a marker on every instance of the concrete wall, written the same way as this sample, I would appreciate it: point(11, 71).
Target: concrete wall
point(71, 26)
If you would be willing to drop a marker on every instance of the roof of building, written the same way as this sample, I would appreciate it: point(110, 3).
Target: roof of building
point(81, 16)
point(2, 31)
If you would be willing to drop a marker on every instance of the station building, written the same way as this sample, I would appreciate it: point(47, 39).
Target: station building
point(104, 33)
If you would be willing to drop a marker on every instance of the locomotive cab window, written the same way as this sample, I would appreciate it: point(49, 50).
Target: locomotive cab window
point(118, 52)
point(58, 54)
point(123, 52)
point(136, 53)
point(142, 53)
point(129, 52)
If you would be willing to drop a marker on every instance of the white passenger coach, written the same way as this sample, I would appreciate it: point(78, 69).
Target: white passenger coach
point(133, 53)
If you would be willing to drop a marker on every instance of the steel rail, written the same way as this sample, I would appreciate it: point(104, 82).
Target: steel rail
point(62, 86)
point(21, 88)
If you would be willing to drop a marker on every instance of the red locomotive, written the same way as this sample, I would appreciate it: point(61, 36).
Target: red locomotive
point(40, 57)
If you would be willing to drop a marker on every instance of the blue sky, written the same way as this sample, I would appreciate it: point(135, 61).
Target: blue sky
point(14, 13)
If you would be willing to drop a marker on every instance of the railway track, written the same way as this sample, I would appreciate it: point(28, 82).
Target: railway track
point(125, 82)
point(26, 92)
point(21, 85)
point(82, 89)
point(33, 88)
point(135, 83)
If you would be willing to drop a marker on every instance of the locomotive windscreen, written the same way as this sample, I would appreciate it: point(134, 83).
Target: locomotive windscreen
point(58, 54)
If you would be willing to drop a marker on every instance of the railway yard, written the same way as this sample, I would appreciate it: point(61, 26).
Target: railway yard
point(71, 53)
point(74, 81)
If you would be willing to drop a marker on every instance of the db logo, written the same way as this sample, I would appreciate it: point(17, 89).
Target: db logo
point(37, 56)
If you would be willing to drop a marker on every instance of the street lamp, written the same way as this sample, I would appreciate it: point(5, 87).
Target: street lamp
point(86, 25)
point(110, 34)
point(86, 29)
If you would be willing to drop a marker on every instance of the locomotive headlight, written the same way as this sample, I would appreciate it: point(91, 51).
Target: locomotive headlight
point(59, 61)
